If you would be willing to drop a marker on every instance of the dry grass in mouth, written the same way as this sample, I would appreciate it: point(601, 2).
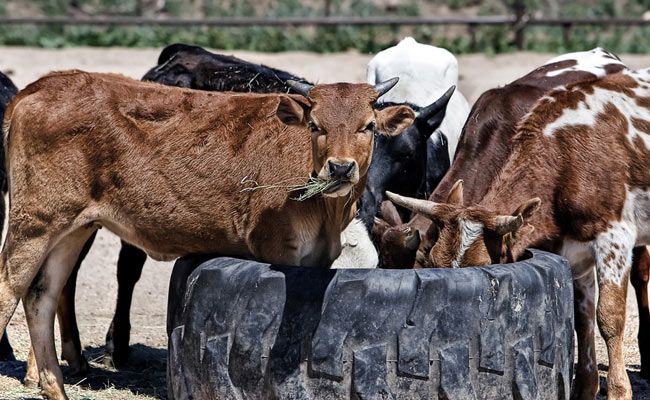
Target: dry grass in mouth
point(314, 186)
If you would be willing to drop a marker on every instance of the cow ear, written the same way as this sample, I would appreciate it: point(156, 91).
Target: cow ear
point(456, 193)
point(389, 213)
point(291, 112)
point(393, 120)
point(528, 208)
point(379, 227)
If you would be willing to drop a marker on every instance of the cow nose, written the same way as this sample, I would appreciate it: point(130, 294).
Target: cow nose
point(341, 170)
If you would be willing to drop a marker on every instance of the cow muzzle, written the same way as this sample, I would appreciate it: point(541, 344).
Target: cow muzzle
point(341, 171)
point(345, 174)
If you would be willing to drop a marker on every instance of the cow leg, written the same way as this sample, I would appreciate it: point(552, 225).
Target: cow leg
point(31, 378)
point(129, 269)
point(613, 264)
point(640, 276)
point(586, 379)
point(6, 352)
point(20, 261)
point(70, 341)
point(40, 304)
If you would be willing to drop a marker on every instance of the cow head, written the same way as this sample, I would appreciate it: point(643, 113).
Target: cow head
point(342, 123)
point(399, 162)
point(462, 236)
point(398, 242)
point(177, 65)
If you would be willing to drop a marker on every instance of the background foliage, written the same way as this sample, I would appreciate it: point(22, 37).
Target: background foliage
point(331, 38)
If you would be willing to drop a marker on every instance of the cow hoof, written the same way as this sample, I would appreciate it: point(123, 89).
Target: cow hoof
point(79, 368)
point(116, 360)
point(108, 361)
point(120, 355)
point(30, 383)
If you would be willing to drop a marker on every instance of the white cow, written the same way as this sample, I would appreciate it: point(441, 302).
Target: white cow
point(357, 250)
point(425, 72)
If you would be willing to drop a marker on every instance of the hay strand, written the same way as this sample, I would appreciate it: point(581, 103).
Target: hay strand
point(312, 187)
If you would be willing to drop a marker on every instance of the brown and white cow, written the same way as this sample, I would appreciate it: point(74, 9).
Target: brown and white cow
point(162, 167)
point(486, 142)
point(577, 183)
point(485, 146)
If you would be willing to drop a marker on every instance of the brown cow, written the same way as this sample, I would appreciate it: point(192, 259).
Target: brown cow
point(163, 167)
point(582, 157)
point(484, 147)
point(486, 141)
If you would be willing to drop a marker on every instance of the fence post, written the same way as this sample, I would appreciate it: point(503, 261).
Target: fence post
point(471, 28)
point(566, 33)
point(328, 7)
point(520, 23)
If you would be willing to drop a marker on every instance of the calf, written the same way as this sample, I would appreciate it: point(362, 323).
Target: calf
point(162, 168)
point(486, 140)
point(192, 67)
point(398, 164)
point(486, 144)
point(580, 157)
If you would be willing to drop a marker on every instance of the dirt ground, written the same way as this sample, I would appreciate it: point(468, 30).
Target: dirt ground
point(144, 377)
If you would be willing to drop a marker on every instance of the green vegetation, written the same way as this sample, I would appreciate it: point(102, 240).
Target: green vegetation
point(489, 39)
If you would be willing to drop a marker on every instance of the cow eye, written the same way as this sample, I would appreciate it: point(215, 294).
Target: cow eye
point(313, 127)
point(370, 127)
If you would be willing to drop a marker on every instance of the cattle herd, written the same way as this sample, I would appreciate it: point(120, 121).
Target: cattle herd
point(405, 176)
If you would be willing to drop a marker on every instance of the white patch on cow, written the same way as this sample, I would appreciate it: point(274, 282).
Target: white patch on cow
point(613, 248)
point(593, 61)
point(425, 73)
point(469, 232)
point(613, 263)
point(584, 114)
point(631, 110)
point(611, 251)
point(579, 256)
point(640, 73)
point(587, 111)
point(357, 250)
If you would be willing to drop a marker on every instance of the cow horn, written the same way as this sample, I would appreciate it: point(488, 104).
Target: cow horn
point(299, 87)
point(430, 110)
point(412, 241)
point(507, 223)
point(424, 207)
point(385, 86)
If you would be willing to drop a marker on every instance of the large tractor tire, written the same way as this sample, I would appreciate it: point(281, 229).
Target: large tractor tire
point(241, 329)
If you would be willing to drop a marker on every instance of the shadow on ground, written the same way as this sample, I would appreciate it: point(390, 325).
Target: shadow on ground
point(144, 373)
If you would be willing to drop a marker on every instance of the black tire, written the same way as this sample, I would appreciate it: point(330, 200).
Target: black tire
point(246, 330)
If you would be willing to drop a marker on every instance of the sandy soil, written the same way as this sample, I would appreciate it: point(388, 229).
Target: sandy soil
point(97, 286)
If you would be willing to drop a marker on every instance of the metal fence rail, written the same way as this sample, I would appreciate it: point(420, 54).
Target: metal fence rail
point(315, 21)
point(518, 23)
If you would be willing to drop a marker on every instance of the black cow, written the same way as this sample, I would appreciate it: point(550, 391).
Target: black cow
point(193, 67)
point(400, 163)
point(7, 91)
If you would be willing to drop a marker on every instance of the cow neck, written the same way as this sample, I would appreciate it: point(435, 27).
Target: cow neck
point(527, 174)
